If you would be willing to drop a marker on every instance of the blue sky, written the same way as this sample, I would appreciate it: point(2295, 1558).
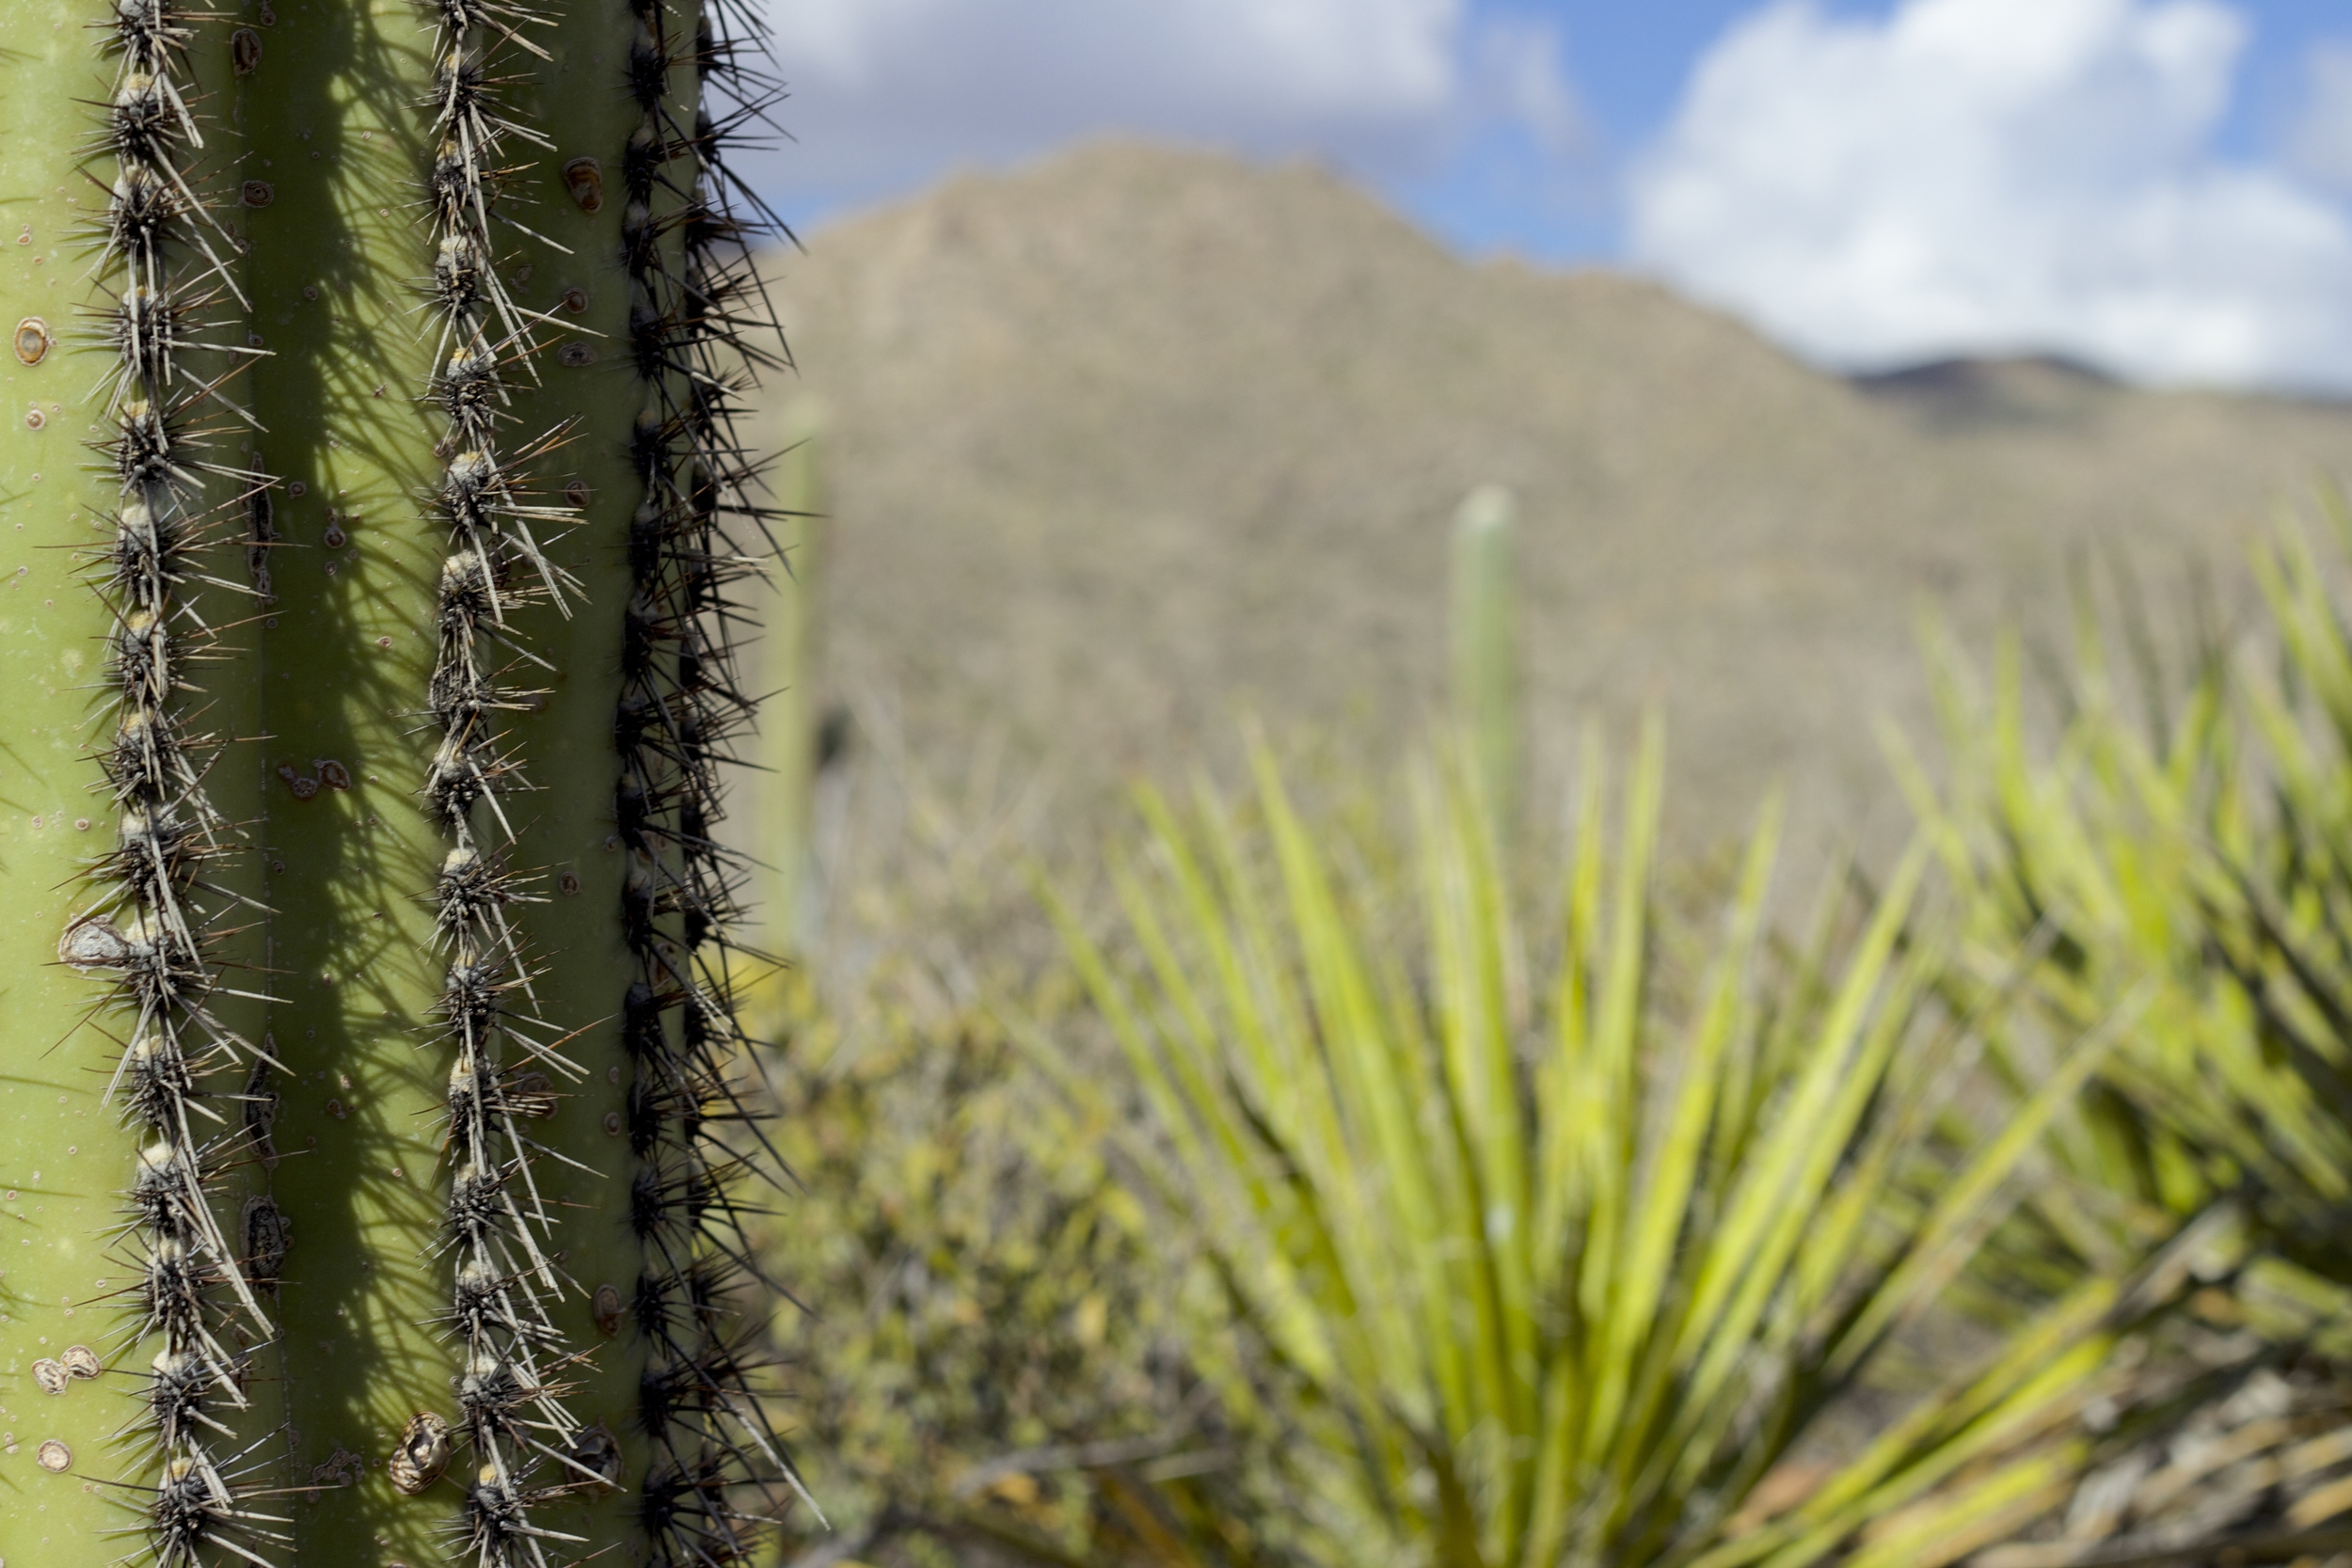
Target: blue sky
point(2160, 186)
point(1630, 63)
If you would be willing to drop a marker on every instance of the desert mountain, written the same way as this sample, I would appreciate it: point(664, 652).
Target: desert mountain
point(1134, 439)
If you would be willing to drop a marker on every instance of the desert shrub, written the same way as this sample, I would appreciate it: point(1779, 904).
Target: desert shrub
point(1003, 1347)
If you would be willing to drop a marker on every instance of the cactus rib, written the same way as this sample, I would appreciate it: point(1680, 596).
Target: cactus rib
point(699, 330)
point(153, 927)
point(498, 1225)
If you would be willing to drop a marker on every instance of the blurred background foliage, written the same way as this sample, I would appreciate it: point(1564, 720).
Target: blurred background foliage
point(2184, 842)
point(1366, 1174)
point(1006, 1343)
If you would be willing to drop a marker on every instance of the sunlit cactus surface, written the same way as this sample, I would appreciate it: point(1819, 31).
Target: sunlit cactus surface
point(377, 1123)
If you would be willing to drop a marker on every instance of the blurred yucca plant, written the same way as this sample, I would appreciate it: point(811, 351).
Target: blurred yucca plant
point(2198, 854)
point(1583, 1262)
point(2191, 850)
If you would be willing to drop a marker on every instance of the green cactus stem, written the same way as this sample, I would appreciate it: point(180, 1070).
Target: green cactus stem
point(361, 765)
point(788, 717)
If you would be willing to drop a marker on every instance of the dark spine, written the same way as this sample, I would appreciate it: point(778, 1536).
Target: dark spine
point(699, 331)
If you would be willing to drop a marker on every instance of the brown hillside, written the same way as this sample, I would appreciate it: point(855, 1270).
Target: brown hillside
point(1128, 436)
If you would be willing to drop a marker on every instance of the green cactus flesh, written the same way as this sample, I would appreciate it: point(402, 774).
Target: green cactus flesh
point(1485, 636)
point(371, 1136)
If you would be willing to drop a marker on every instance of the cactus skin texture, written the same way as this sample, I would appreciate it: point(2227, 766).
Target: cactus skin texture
point(372, 1132)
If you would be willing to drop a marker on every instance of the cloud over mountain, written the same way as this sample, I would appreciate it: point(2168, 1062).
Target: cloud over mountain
point(888, 92)
point(1984, 176)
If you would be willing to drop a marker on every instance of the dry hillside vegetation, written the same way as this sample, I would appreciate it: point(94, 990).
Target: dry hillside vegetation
point(1137, 439)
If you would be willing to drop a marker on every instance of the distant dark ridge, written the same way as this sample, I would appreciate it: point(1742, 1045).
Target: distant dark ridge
point(2024, 385)
point(2037, 388)
point(1945, 376)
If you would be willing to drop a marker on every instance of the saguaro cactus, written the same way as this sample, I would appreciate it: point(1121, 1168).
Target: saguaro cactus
point(1484, 631)
point(371, 1135)
point(785, 803)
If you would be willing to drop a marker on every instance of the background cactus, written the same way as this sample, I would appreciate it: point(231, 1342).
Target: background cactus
point(1484, 631)
point(371, 1133)
point(784, 803)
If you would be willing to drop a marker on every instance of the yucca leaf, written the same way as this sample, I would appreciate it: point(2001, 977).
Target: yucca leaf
point(1968, 1208)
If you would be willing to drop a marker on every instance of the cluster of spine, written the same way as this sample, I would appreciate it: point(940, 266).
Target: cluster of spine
point(156, 918)
point(698, 323)
point(512, 1357)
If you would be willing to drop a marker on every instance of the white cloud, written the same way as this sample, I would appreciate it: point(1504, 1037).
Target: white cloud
point(1975, 176)
point(2321, 145)
point(887, 93)
point(1521, 80)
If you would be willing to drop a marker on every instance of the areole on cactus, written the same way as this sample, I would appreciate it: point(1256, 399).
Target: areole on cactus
point(370, 1139)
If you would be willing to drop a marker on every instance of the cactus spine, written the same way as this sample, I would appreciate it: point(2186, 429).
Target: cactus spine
point(418, 1242)
point(156, 913)
point(696, 313)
